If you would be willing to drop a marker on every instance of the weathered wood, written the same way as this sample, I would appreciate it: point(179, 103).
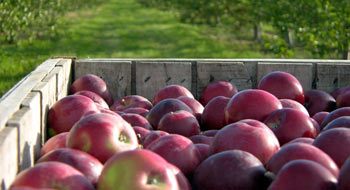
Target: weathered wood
point(302, 71)
point(235, 72)
point(8, 156)
point(116, 74)
point(330, 76)
point(152, 76)
point(64, 77)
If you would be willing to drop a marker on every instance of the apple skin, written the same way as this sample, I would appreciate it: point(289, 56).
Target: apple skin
point(177, 150)
point(319, 117)
point(204, 151)
point(318, 100)
point(102, 136)
point(94, 97)
point(94, 84)
point(131, 101)
point(335, 93)
point(343, 121)
point(210, 133)
point(288, 124)
point(335, 143)
point(52, 175)
point(288, 103)
point(136, 120)
point(201, 139)
point(57, 141)
point(232, 169)
point(179, 122)
point(197, 107)
point(213, 116)
point(164, 107)
point(182, 180)
point(304, 175)
point(344, 176)
point(306, 140)
point(140, 133)
point(283, 85)
point(251, 104)
point(343, 99)
point(171, 91)
point(137, 170)
point(297, 151)
point(152, 136)
point(82, 161)
point(141, 111)
point(217, 88)
point(68, 110)
point(248, 135)
point(344, 111)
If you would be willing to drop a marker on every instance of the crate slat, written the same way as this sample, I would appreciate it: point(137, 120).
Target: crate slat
point(64, 77)
point(331, 76)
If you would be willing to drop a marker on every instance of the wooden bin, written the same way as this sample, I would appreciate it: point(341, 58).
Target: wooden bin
point(24, 108)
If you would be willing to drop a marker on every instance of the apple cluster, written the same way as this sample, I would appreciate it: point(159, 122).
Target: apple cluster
point(275, 137)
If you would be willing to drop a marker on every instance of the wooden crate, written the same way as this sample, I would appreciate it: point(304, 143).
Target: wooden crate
point(24, 108)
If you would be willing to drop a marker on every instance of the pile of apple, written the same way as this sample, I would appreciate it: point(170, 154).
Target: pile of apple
point(277, 136)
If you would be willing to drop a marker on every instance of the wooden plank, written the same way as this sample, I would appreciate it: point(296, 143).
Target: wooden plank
point(330, 76)
point(152, 76)
point(64, 77)
point(116, 74)
point(235, 72)
point(302, 71)
point(8, 156)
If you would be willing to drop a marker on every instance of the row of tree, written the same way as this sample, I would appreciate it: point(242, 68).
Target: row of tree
point(320, 26)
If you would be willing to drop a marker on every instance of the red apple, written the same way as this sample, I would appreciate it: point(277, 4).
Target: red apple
point(57, 141)
point(251, 104)
point(283, 85)
point(306, 140)
point(68, 110)
point(319, 117)
point(137, 169)
point(102, 136)
point(318, 100)
point(152, 136)
point(232, 169)
point(196, 107)
point(343, 99)
point(248, 135)
point(182, 181)
point(136, 120)
point(204, 151)
point(344, 176)
point(141, 111)
point(179, 122)
point(171, 91)
point(82, 161)
point(288, 124)
point(213, 116)
point(288, 103)
point(131, 101)
point(335, 93)
point(343, 121)
point(217, 88)
point(304, 175)
point(141, 133)
point(177, 150)
point(201, 139)
point(345, 111)
point(94, 97)
point(210, 133)
point(54, 175)
point(94, 84)
point(335, 142)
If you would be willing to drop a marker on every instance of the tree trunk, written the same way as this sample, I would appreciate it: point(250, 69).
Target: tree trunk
point(257, 32)
point(346, 55)
point(288, 37)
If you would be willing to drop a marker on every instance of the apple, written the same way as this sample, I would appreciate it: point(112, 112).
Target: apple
point(179, 122)
point(343, 121)
point(316, 125)
point(288, 124)
point(344, 111)
point(251, 104)
point(288, 103)
point(335, 93)
point(164, 107)
point(318, 100)
point(204, 151)
point(283, 85)
point(177, 150)
point(343, 99)
point(201, 139)
point(100, 102)
point(304, 175)
point(136, 120)
point(248, 135)
point(152, 136)
point(57, 141)
point(306, 140)
point(319, 117)
point(297, 151)
point(335, 142)
point(141, 133)
point(94, 84)
point(210, 133)
point(54, 175)
point(197, 108)
point(213, 116)
point(217, 88)
point(68, 110)
point(231, 169)
point(141, 111)
point(182, 180)
point(344, 176)
point(137, 170)
point(171, 91)
point(131, 101)
point(102, 135)
point(82, 161)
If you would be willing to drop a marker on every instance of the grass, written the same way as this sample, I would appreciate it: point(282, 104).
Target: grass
point(123, 28)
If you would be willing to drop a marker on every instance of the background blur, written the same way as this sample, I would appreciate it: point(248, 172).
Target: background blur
point(32, 31)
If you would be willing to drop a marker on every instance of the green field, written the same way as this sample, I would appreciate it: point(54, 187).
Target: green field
point(124, 28)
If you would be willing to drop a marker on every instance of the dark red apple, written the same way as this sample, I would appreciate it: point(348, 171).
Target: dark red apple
point(82, 161)
point(94, 84)
point(177, 150)
point(68, 110)
point(179, 122)
point(136, 120)
point(335, 93)
point(232, 169)
point(54, 175)
point(248, 135)
point(141, 133)
point(344, 176)
point(57, 141)
point(283, 85)
point(201, 139)
point(288, 103)
point(152, 136)
point(288, 124)
point(131, 101)
point(304, 175)
point(182, 180)
point(171, 91)
point(217, 88)
point(141, 111)
point(318, 100)
point(297, 151)
point(210, 133)
point(343, 99)
point(213, 116)
point(102, 136)
point(94, 97)
point(345, 111)
point(306, 140)
point(319, 117)
point(196, 107)
point(137, 169)
point(343, 121)
point(251, 104)
point(336, 143)
point(204, 151)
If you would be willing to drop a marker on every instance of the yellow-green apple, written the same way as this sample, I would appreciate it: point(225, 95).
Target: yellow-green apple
point(318, 100)
point(57, 141)
point(217, 88)
point(131, 101)
point(171, 91)
point(213, 116)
